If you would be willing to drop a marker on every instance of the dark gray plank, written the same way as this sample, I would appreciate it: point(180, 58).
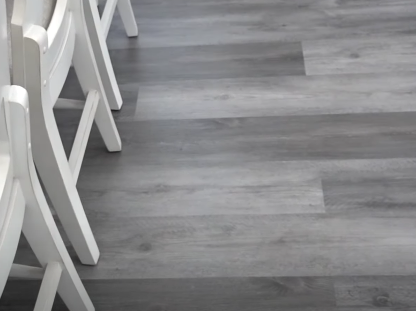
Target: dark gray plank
point(185, 23)
point(387, 193)
point(229, 294)
point(172, 191)
point(219, 294)
point(271, 96)
point(395, 293)
point(356, 55)
point(240, 140)
point(208, 62)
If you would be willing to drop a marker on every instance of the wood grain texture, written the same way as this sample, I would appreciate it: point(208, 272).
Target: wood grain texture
point(387, 193)
point(357, 55)
point(263, 245)
point(206, 22)
point(216, 201)
point(391, 293)
point(271, 96)
point(234, 294)
point(208, 62)
point(241, 140)
point(173, 191)
point(222, 294)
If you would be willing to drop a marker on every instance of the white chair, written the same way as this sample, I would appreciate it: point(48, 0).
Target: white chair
point(41, 61)
point(23, 206)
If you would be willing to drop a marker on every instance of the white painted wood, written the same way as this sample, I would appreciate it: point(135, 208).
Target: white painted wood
point(86, 60)
point(49, 153)
point(64, 103)
point(107, 16)
point(102, 57)
point(83, 133)
point(127, 16)
point(25, 204)
point(27, 272)
point(49, 286)
point(11, 208)
point(39, 226)
point(10, 231)
point(46, 65)
point(30, 13)
point(5, 167)
point(60, 68)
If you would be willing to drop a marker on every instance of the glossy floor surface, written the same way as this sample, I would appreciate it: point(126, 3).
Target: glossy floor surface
point(268, 163)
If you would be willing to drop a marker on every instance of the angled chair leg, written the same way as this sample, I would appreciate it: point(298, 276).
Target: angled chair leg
point(39, 226)
point(50, 157)
point(99, 48)
point(85, 62)
point(127, 16)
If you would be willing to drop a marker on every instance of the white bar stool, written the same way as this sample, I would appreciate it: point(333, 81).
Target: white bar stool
point(23, 206)
point(41, 61)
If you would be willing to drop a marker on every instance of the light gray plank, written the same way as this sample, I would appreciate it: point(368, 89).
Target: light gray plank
point(357, 55)
point(231, 246)
point(394, 292)
point(224, 22)
point(242, 140)
point(283, 3)
point(377, 193)
point(236, 245)
point(171, 191)
point(272, 96)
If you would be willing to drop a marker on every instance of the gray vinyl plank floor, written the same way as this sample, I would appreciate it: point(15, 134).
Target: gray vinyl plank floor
point(268, 163)
point(207, 22)
point(270, 96)
point(235, 294)
point(241, 140)
point(360, 55)
point(208, 62)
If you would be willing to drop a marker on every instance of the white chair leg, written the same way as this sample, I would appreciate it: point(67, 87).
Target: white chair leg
point(50, 157)
point(101, 54)
point(85, 64)
point(127, 16)
point(39, 226)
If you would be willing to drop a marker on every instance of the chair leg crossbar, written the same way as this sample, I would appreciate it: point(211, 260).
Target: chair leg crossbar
point(83, 133)
point(50, 276)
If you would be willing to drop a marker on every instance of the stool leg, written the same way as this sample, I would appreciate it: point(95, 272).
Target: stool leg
point(89, 25)
point(85, 64)
point(39, 226)
point(49, 154)
point(127, 16)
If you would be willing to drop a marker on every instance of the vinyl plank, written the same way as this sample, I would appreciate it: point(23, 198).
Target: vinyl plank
point(208, 62)
point(244, 245)
point(222, 294)
point(194, 23)
point(357, 55)
point(387, 193)
point(229, 294)
point(241, 140)
point(395, 292)
point(292, 4)
point(233, 246)
point(173, 191)
point(270, 96)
